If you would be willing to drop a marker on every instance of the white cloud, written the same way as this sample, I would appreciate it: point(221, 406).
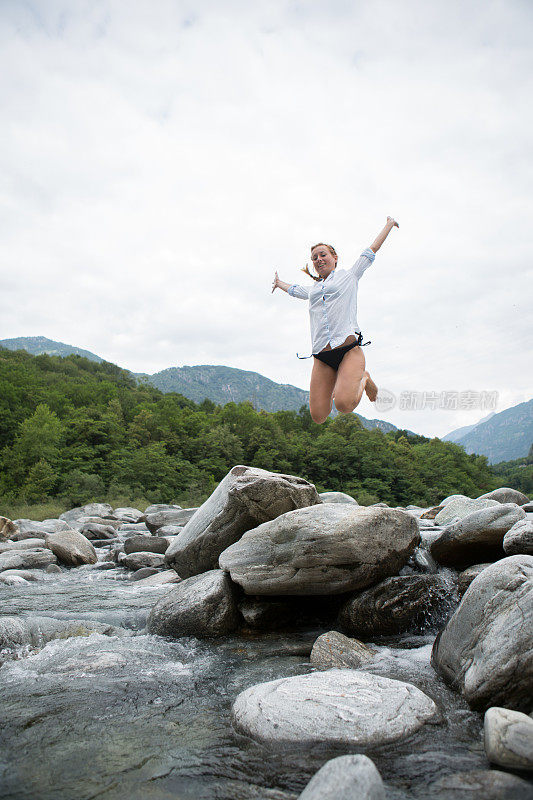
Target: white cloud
point(161, 160)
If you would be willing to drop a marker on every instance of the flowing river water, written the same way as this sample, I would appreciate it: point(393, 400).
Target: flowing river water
point(139, 716)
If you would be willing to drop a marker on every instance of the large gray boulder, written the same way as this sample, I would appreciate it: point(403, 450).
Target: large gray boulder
point(336, 707)
point(485, 652)
point(325, 549)
point(71, 548)
point(519, 538)
point(509, 738)
point(476, 538)
point(22, 544)
point(172, 516)
point(337, 497)
point(204, 605)
point(398, 604)
point(127, 514)
point(95, 530)
point(29, 528)
point(39, 558)
point(246, 497)
point(100, 510)
point(333, 649)
point(461, 507)
point(146, 544)
point(506, 495)
point(480, 784)
point(345, 778)
point(138, 560)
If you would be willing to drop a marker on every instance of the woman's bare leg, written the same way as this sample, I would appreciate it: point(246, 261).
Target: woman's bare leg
point(321, 391)
point(352, 381)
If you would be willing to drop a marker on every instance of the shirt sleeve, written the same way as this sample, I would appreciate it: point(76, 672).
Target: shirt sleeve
point(363, 262)
point(298, 291)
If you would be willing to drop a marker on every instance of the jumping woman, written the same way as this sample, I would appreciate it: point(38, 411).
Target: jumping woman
point(339, 364)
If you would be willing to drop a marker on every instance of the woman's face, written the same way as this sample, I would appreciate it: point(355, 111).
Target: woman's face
point(323, 260)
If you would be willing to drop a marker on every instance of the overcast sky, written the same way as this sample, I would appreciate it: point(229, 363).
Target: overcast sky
point(160, 159)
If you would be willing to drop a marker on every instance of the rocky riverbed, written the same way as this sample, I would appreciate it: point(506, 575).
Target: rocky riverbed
point(234, 650)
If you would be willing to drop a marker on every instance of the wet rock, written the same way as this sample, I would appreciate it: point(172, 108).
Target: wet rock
point(509, 738)
point(14, 576)
point(325, 549)
point(144, 572)
point(466, 577)
point(336, 707)
point(506, 495)
point(204, 605)
point(398, 604)
point(476, 538)
point(333, 649)
point(485, 652)
point(7, 529)
point(36, 631)
point(129, 514)
point(22, 544)
point(167, 576)
point(95, 530)
point(346, 778)
point(139, 559)
point(271, 613)
point(485, 784)
point(461, 507)
point(71, 548)
point(337, 497)
point(53, 569)
point(246, 497)
point(146, 544)
point(423, 561)
point(519, 538)
point(161, 519)
point(26, 559)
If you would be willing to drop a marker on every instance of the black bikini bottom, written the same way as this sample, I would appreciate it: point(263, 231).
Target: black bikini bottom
point(334, 357)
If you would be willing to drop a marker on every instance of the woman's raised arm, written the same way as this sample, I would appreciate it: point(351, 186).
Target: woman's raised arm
point(380, 238)
point(302, 292)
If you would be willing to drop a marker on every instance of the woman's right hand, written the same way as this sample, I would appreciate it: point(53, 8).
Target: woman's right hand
point(275, 283)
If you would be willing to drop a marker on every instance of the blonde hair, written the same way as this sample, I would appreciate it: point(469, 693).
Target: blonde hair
point(320, 244)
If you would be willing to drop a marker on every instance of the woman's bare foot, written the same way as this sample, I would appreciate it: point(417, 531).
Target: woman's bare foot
point(370, 388)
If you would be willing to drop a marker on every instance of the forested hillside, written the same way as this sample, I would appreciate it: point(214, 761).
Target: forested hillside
point(74, 429)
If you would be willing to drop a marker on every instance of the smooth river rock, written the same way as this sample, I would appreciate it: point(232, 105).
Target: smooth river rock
point(509, 738)
point(204, 605)
point(172, 516)
point(100, 510)
point(519, 538)
point(506, 495)
point(466, 577)
point(36, 631)
point(333, 649)
point(336, 707)
point(485, 652)
point(461, 507)
point(477, 537)
point(404, 603)
point(138, 560)
point(146, 544)
point(71, 548)
point(246, 497)
point(325, 549)
point(337, 497)
point(346, 778)
point(480, 784)
point(27, 559)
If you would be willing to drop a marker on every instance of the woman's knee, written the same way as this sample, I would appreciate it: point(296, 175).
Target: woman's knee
point(345, 406)
point(319, 416)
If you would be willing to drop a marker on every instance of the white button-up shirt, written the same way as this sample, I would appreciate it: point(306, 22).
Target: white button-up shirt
point(333, 303)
